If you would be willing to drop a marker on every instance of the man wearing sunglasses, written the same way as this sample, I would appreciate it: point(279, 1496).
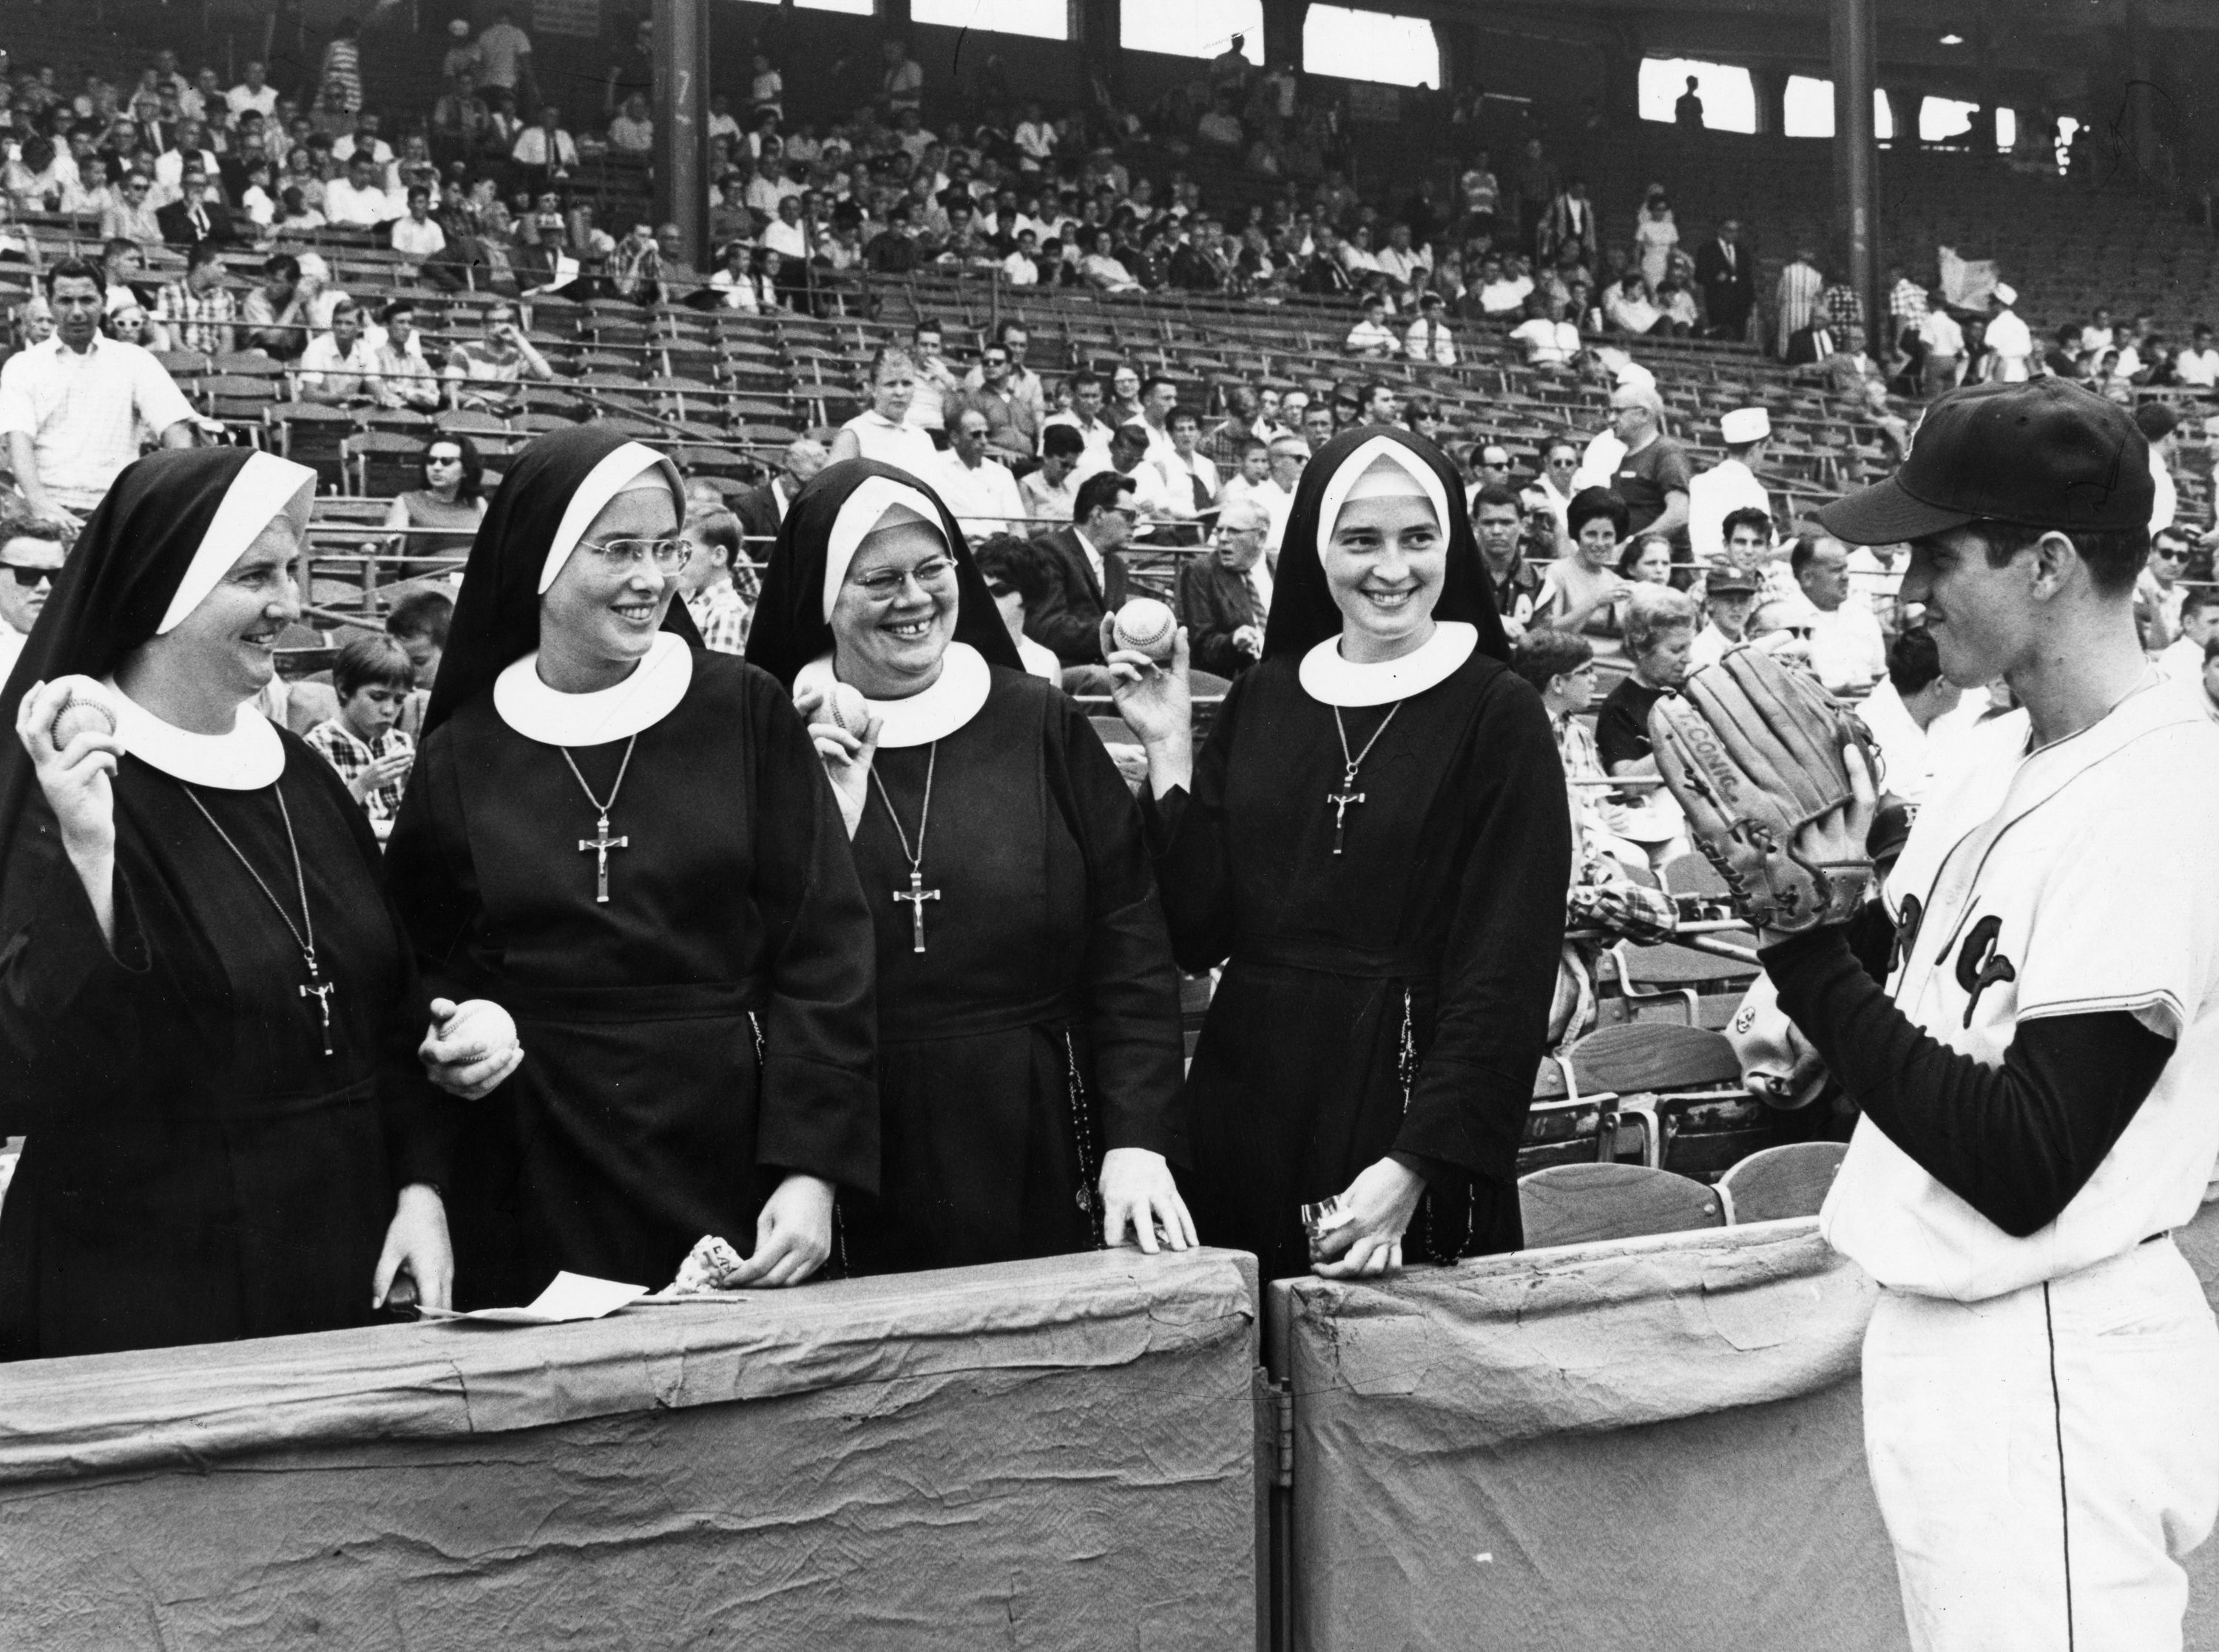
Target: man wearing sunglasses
point(30, 557)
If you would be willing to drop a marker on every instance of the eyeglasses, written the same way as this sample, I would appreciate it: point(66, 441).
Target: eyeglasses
point(30, 575)
point(995, 361)
point(668, 554)
point(891, 583)
point(2171, 555)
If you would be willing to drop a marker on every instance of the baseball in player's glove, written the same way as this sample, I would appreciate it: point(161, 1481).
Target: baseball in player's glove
point(1761, 759)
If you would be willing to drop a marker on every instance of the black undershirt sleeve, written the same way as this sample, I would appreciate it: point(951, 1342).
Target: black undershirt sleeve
point(2016, 1143)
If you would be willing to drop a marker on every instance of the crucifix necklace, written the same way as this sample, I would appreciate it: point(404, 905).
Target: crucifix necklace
point(317, 987)
point(1348, 793)
point(600, 843)
point(917, 894)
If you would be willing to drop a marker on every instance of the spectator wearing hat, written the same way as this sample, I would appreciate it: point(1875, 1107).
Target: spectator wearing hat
point(1429, 338)
point(1729, 594)
point(2009, 344)
point(1901, 711)
point(1371, 340)
point(1730, 485)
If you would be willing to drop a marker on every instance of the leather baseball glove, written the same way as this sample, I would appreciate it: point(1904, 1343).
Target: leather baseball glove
point(1757, 753)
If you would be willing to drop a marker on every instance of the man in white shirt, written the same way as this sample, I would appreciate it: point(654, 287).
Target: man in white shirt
point(1289, 454)
point(1729, 486)
point(1085, 417)
point(1158, 396)
point(1847, 649)
point(2008, 338)
point(72, 408)
point(253, 93)
point(357, 201)
point(2158, 422)
point(1900, 713)
point(1429, 338)
point(980, 493)
point(1503, 287)
point(30, 560)
point(416, 235)
point(2183, 659)
point(1944, 341)
point(2199, 364)
point(1370, 339)
point(340, 368)
point(545, 148)
point(1402, 262)
point(1128, 457)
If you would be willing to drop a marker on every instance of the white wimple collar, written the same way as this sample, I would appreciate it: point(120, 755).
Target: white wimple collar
point(931, 714)
point(640, 701)
point(248, 758)
point(1332, 680)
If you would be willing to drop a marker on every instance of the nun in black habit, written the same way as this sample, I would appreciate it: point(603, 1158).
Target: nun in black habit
point(627, 843)
point(1029, 1034)
point(209, 1013)
point(1373, 842)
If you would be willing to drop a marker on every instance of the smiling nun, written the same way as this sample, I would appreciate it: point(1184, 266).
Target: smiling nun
point(628, 844)
point(208, 1013)
point(1028, 1033)
point(1373, 842)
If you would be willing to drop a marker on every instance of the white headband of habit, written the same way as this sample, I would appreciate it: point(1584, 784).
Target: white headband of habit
point(1379, 468)
point(633, 466)
point(860, 514)
point(265, 487)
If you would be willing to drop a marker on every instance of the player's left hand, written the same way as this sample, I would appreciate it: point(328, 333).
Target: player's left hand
point(1379, 1204)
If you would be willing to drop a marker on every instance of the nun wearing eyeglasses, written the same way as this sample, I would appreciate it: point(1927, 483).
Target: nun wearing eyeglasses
point(627, 843)
point(1373, 844)
point(1029, 1032)
point(209, 1014)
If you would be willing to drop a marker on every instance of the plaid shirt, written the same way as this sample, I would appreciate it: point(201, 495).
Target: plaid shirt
point(202, 321)
point(1907, 303)
point(1842, 306)
point(724, 616)
point(345, 751)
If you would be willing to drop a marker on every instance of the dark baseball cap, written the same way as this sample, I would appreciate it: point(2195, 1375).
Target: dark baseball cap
point(2046, 453)
point(1723, 579)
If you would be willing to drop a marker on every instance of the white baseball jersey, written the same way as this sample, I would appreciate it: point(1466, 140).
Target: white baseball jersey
point(2078, 878)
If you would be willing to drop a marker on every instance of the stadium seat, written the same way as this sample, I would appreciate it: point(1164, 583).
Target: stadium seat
point(1581, 1204)
point(1697, 989)
point(1782, 1182)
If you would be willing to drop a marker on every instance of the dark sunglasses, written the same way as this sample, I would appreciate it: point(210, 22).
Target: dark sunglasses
point(2179, 555)
point(30, 575)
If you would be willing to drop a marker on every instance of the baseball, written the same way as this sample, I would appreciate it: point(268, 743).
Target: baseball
point(1148, 627)
point(846, 706)
point(84, 709)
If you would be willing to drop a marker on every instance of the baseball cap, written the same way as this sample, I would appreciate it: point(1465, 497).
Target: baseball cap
point(1723, 579)
point(2045, 453)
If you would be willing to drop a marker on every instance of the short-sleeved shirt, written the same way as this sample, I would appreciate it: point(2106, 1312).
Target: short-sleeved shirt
point(504, 46)
point(1622, 725)
point(83, 412)
point(1645, 478)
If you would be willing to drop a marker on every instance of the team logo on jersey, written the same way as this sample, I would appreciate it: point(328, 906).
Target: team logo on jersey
point(1906, 932)
point(1979, 966)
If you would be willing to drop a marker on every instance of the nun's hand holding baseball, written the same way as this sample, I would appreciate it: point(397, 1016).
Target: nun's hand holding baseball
point(1157, 702)
point(78, 782)
point(847, 756)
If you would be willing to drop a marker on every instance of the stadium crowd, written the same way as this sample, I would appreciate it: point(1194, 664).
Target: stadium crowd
point(1615, 565)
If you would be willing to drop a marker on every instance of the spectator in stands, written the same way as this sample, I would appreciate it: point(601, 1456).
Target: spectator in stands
point(1654, 475)
point(1548, 497)
point(1016, 580)
point(1190, 476)
point(1051, 492)
point(1750, 546)
point(359, 201)
point(1103, 271)
point(419, 621)
point(372, 678)
point(506, 51)
point(1847, 649)
point(2158, 423)
point(1251, 472)
point(883, 431)
point(978, 491)
point(1857, 378)
point(71, 407)
point(1319, 425)
point(1534, 182)
point(1941, 349)
point(197, 217)
point(1570, 228)
point(936, 380)
point(1012, 423)
point(1085, 416)
point(1687, 108)
point(1626, 306)
point(253, 93)
point(1729, 594)
point(1902, 709)
point(130, 218)
point(632, 132)
point(1582, 592)
point(543, 153)
point(2159, 594)
point(1729, 486)
point(1796, 298)
point(1547, 343)
point(2183, 659)
point(2009, 342)
point(405, 377)
point(484, 374)
point(2197, 366)
point(415, 235)
point(1429, 338)
point(201, 311)
point(1727, 276)
point(440, 519)
point(1660, 633)
point(1225, 598)
point(1646, 559)
point(1085, 578)
point(340, 72)
point(339, 368)
point(1498, 522)
point(762, 510)
point(279, 313)
point(901, 86)
point(712, 594)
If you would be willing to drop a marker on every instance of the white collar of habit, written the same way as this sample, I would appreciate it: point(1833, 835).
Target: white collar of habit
point(640, 701)
point(1332, 680)
point(931, 714)
point(248, 758)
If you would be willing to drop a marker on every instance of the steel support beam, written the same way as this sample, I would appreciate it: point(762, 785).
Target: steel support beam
point(681, 124)
point(1856, 159)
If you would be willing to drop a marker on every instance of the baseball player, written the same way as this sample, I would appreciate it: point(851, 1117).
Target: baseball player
point(2039, 1076)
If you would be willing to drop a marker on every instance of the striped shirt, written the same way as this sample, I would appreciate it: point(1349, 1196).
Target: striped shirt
point(347, 752)
point(202, 321)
